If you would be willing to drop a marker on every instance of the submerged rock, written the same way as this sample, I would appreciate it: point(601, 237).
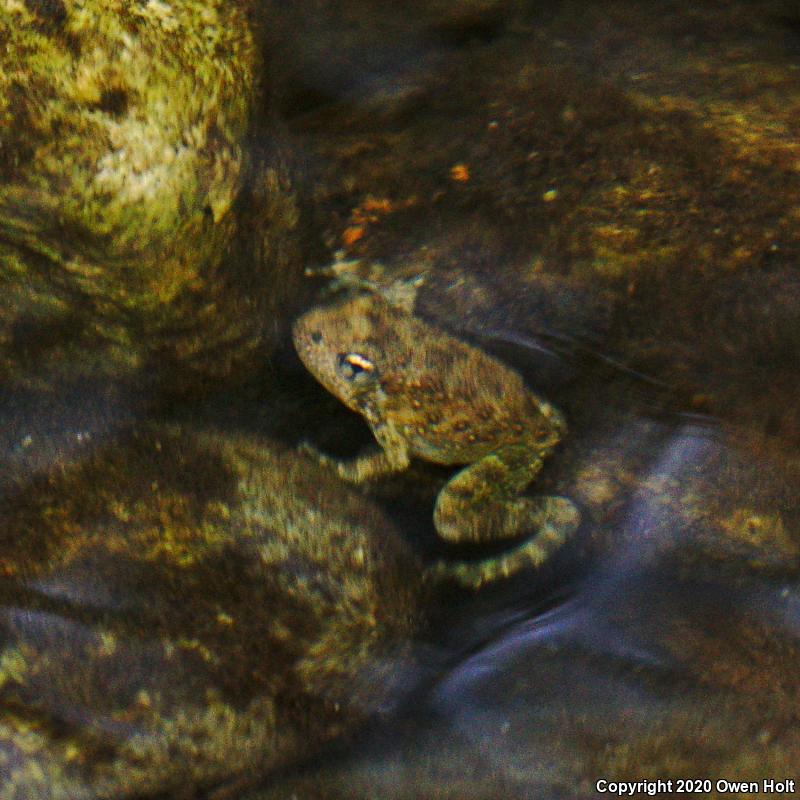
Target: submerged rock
point(182, 607)
point(674, 654)
point(599, 181)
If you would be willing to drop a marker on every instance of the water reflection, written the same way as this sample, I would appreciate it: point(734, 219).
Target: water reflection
point(670, 657)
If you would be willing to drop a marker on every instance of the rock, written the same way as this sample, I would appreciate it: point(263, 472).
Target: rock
point(673, 654)
point(623, 183)
point(362, 50)
point(589, 181)
point(149, 219)
point(178, 608)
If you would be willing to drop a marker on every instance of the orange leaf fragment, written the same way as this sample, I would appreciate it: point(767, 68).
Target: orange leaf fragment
point(460, 173)
point(352, 234)
point(377, 204)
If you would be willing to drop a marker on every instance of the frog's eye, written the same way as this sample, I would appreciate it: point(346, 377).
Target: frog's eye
point(316, 337)
point(354, 366)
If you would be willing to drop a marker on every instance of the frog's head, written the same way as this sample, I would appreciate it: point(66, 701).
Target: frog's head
point(341, 348)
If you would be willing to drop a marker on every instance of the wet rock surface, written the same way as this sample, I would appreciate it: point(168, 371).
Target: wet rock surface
point(606, 197)
point(150, 226)
point(670, 654)
point(622, 180)
point(179, 607)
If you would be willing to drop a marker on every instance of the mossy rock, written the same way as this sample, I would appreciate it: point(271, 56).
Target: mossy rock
point(179, 608)
point(149, 220)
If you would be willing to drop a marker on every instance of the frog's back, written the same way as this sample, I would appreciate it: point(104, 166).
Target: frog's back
point(453, 402)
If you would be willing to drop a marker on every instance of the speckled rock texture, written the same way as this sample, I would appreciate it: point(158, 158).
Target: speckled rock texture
point(604, 196)
point(149, 220)
point(182, 607)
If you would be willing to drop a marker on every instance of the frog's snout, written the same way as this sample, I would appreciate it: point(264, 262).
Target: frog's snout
point(299, 332)
point(307, 337)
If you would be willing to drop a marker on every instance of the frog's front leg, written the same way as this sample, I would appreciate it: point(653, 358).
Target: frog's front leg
point(391, 457)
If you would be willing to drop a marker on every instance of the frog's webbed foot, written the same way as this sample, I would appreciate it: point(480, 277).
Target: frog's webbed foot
point(370, 465)
point(555, 519)
point(305, 448)
point(344, 277)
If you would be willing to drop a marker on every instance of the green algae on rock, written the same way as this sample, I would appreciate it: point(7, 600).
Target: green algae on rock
point(148, 218)
point(180, 608)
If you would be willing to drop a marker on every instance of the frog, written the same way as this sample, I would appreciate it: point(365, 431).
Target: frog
point(426, 394)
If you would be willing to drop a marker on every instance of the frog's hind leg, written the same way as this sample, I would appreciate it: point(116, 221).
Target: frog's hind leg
point(482, 502)
point(556, 520)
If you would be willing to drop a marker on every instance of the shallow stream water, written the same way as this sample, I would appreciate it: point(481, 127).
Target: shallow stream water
point(606, 197)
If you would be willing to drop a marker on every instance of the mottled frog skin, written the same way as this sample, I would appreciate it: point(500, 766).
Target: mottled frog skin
point(429, 395)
